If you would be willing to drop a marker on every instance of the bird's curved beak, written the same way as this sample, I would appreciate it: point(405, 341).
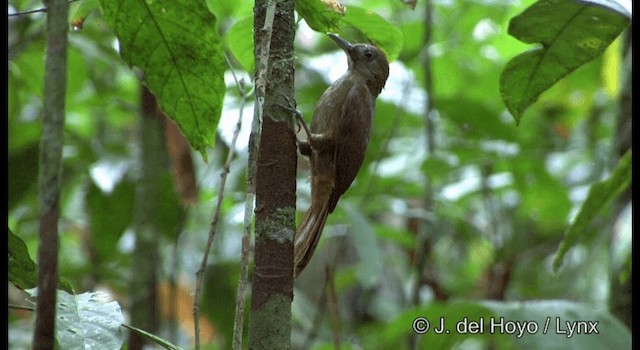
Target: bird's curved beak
point(345, 45)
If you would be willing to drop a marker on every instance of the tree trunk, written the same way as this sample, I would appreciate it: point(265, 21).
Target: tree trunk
point(270, 319)
point(153, 166)
point(50, 171)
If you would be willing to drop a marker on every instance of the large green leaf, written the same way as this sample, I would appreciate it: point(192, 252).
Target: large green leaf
point(383, 34)
point(319, 16)
point(87, 321)
point(571, 33)
point(176, 45)
point(599, 196)
point(323, 18)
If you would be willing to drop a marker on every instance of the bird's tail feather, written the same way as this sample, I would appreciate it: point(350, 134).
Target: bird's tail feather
point(308, 234)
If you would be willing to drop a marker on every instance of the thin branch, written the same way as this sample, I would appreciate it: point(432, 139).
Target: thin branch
point(27, 12)
point(252, 168)
point(21, 307)
point(50, 172)
point(241, 294)
point(214, 221)
point(422, 242)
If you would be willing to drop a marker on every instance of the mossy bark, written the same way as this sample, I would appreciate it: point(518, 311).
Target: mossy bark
point(270, 319)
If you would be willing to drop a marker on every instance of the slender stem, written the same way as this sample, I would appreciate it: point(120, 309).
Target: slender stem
point(42, 9)
point(21, 307)
point(422, 241)
point(238, 322)
point(214, 225)
point(50, 171)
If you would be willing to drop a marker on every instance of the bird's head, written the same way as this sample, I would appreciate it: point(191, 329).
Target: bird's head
point(367, 61)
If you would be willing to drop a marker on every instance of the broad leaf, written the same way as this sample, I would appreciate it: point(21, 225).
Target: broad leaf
point(176, 46)
point(320, 16)
point(22, 270)
point(599, 196)
point(571, 33)
point(380, 32)
point(325, 18)
point(87, 321)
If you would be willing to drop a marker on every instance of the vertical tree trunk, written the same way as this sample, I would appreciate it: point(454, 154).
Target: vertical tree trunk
point(270, 319)
point(153, 167)
point(50, 170)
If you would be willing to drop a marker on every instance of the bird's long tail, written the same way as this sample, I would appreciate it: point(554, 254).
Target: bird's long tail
point(308, 234)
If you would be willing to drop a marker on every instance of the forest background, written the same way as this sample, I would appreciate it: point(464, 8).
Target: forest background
point(459, 210)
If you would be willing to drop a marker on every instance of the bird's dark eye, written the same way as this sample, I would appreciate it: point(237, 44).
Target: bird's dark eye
point(368, 53)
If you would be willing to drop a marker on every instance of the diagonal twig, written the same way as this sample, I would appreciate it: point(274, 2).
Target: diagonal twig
point(216, 214)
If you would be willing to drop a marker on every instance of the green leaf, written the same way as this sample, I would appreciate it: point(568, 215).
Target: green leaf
point(600, 194)
point(82, 11)
point(176, 46)
point(318, 15)
point(87, 321)
point(545, 199)
point(383, 34)
point(239, 39)
point(484, 123)
point(109, 216)
point(571, 33)
point(165, 344)
point(21, 177)
point(168, 205)
point(554, 315)
point(23, 272)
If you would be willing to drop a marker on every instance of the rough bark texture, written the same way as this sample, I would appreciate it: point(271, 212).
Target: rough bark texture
point(50, 170)
point(270, 321)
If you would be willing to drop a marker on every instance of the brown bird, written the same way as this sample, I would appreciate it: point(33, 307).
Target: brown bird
point(338, 138)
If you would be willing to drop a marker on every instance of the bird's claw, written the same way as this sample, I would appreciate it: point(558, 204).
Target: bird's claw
point(304, 146)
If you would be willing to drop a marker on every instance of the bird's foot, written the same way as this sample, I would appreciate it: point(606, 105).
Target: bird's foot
point(303, 146)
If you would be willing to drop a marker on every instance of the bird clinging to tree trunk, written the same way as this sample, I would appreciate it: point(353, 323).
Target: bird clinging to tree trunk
point(338, 138)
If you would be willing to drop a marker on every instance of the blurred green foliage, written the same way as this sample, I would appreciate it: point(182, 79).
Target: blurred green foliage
point(503, 196)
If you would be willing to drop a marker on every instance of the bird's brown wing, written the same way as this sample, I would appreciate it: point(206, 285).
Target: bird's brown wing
point(352, 138)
